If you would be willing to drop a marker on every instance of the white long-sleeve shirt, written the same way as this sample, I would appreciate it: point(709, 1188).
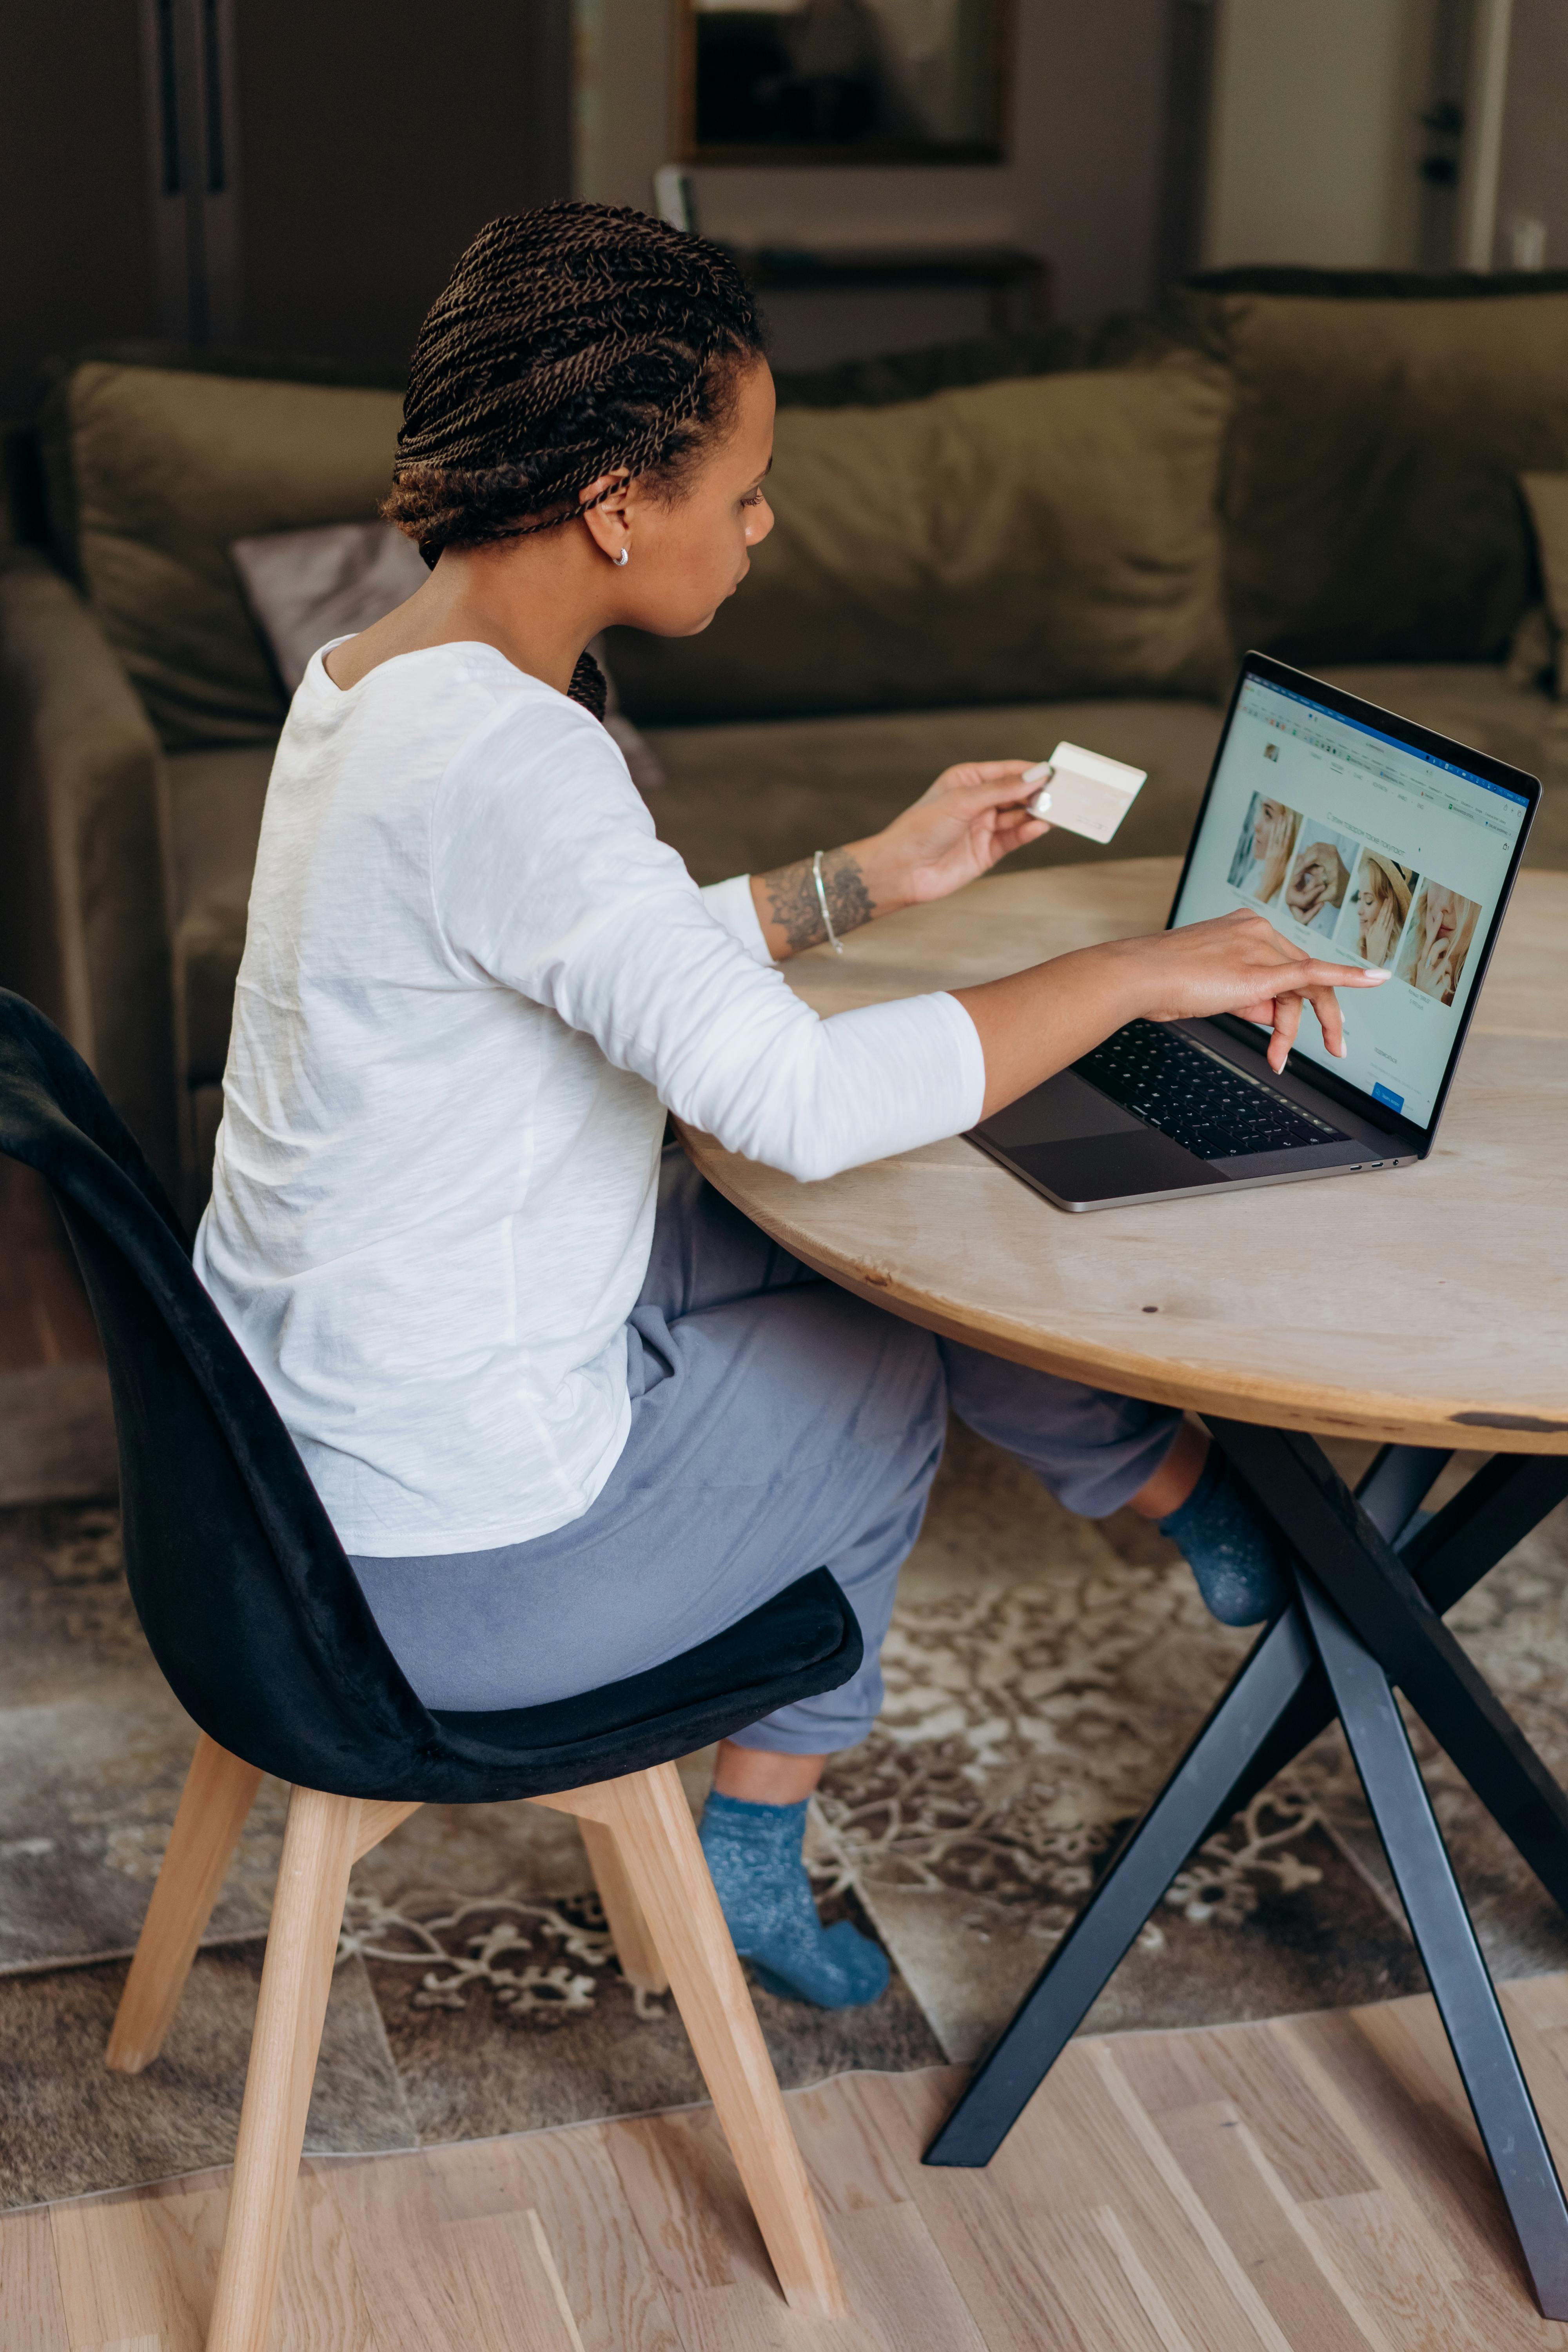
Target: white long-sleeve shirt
point(473, 981)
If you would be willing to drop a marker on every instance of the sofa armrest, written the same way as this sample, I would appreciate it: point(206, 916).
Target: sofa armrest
point(84, 926)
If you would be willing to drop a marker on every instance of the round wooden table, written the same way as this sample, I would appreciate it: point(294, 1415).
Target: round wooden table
point(1426, 1307)
point(1426, 1304)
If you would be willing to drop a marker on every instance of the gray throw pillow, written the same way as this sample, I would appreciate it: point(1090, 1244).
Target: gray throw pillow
point(307, 587)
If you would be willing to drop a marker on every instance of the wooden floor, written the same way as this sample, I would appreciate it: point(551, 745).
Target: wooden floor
point(1315, 2184)
point(44, 1315)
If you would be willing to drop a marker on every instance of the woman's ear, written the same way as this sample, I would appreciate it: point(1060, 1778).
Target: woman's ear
point(607, 517)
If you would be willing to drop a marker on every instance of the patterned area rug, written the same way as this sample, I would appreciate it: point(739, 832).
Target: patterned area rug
point(1043, 1674)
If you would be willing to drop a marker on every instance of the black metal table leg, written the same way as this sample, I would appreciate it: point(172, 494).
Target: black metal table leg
point(1393, 1487)
point(1377, 1610)
point(1397, 1484)
point(1496, 1508)
point(1488, 2062)
point(1277, 1702)
point(1376, 1591)
point(1507, 1498)
point(1258, 1696)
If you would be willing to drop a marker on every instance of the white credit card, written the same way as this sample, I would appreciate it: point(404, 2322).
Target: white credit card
point(1083, 792)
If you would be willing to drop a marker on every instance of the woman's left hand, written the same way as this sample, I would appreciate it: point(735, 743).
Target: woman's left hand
point(973, 816)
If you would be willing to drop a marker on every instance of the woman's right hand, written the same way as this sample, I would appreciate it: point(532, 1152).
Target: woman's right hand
point(1037, 1022)
point(1238, 963)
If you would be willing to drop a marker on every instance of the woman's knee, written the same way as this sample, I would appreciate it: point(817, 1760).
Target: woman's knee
point(824, 1725)
point(1090, 1447)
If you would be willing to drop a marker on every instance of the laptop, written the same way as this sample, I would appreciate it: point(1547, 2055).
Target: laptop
point(1369, 840)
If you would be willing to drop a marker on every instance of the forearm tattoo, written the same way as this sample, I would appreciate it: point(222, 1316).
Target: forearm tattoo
point(792, 899)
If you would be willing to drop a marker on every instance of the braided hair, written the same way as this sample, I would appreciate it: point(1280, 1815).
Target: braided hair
point(573, 342)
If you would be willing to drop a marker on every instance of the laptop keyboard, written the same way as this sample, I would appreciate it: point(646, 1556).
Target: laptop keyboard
point(1196, 1099)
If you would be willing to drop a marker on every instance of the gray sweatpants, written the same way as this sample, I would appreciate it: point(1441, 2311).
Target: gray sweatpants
point(778, 1424)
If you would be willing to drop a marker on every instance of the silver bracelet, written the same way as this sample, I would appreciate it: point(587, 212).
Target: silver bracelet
point(822, 902)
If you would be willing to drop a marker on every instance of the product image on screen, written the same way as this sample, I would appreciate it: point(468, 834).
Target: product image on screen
point(1263, 848)
point(1376, 907)
point(1376, 855)
point(1437, 941)
point(1319, 881)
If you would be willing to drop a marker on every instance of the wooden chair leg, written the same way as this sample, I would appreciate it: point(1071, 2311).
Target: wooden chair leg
point(218, 1793)
point(658, 1849)
point(378, 1817)
point(319, 1847)
point(635, 1948)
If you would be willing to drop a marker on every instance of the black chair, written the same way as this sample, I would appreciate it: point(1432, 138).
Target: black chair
point(254, 1616)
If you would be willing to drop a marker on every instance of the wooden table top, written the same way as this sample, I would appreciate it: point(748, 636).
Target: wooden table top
point(1426, 1304)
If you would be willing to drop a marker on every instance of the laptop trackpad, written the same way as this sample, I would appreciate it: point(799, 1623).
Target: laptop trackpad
point(1096, 1169)
point(1064, 1108)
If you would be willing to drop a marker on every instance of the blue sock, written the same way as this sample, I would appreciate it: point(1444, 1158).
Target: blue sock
point(1237, 1560)
point(753, 1854)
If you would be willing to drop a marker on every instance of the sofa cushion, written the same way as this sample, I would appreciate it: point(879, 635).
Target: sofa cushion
point(1021, 541)
point(166, 470)
point(1372, 508)
point(747, 795)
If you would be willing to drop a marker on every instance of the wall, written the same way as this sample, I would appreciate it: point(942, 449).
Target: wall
point(375, 137)
point(1534, 183)
point(1315, 136)
point(75, 217)
point(362, 178)
point(1081, 184)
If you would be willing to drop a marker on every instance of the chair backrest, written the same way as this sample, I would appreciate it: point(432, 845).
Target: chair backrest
point(244, 1591)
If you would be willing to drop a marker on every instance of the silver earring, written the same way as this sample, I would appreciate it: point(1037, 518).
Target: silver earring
point(624, 557)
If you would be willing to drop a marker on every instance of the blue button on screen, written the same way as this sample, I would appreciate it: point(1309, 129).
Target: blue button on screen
point(1380, 1093)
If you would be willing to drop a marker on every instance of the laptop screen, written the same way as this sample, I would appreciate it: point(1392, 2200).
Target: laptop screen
point(1378, 854)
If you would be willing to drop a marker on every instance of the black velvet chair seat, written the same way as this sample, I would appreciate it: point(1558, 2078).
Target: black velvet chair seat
point(802, 1641)
point(245, 1593)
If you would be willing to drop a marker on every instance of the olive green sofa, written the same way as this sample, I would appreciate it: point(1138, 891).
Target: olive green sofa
point(980, 549)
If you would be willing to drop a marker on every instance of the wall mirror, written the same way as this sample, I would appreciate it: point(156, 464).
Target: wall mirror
point(842, 81)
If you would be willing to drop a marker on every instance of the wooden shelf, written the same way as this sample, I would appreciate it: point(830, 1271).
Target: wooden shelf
point(1014, 281)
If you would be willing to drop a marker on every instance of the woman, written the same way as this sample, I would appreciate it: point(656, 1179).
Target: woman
point(1382, 901)
point(571, 1413)
point(1316, 890)
point(1273, 830)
